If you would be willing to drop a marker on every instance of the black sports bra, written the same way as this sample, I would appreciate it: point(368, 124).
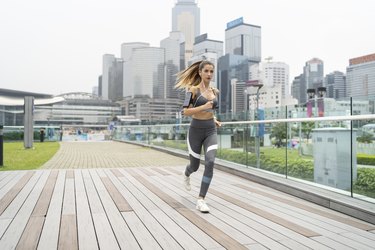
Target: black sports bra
point(200, 100)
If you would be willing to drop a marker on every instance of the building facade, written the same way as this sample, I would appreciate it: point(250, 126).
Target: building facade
point(243, 39)
point(186, 19)
point(360, 76)
point(335, 83)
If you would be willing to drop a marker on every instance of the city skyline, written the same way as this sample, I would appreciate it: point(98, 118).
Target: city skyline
point(57, 48)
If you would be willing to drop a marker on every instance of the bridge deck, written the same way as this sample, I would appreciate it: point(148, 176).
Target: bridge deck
point(148, 208)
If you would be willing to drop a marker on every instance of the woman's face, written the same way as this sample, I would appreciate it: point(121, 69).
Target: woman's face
point(207, 73)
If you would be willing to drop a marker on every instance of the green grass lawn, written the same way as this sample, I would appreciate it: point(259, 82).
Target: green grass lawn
point(16, 157)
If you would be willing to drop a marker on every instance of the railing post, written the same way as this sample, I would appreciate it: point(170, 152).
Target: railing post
point(1, 146)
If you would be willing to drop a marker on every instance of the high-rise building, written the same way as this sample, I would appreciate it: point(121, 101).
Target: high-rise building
point(238, 96)
point(126, 55)
point(272, 74)
point(147, 66)
point(186, 18)
point(229, 67)
point(335, 83)
point(171, 45)
point(107, 63)
point(243, 39)
point(360, 76)
point(115, 80)
point(204, 45)
point(313, 78)
point(296, 87)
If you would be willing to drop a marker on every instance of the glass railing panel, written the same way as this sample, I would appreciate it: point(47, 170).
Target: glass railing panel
point(364, 163)
point(235, 144)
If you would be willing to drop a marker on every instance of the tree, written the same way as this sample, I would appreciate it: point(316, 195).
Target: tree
point(279, 132)
point(307, 127)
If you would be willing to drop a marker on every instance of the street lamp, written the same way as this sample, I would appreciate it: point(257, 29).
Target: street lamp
point(257, 84)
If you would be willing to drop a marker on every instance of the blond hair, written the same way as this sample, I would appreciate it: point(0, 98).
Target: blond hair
point(190, 76)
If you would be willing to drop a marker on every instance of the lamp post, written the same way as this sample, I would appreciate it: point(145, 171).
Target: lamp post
point(257, 84)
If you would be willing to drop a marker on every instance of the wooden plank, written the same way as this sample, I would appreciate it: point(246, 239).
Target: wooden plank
point(293, 226)
point(68, 232)
point(30, 237)
point(298, 222)
point(292, 244)
point(85, 226)
point(160, 171)
point(221, 237)
point(227, 228)
point(164, 239)
point(309, 220)
point(4, 223)
point(6, 177)
point(9, 197)
point(68, 238)
point(143, 236)
point(70, 174)
point(331, 243)
point(121, 203)
point(166, 198)
point(166, 222)
point(242, 214)
point(103, 229)
point(33, 189)
point(31, 234)
point(117, 172)
point(11, 182)
point(121, 230)
point(363, 240)
point(302, 219)
point(175, 171)
point(343, 219)
point(193, 231)
point(50, 233)
point(45, 197)
point(255, 247)
point(147, 172)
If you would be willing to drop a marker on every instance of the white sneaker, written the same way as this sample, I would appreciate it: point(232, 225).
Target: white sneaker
point(202, 206)
point(186, 181)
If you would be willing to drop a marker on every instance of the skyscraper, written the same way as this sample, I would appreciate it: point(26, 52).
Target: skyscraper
point(147, 66)
point(335, 83)
point(360, 76)
point(126, 55)
point(186, 18)
point(230, 66)
point(171, 45)
point(313, 76)
point(243, 39)
point(107, 63)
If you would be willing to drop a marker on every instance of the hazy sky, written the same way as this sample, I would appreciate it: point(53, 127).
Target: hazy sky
point(56, 47)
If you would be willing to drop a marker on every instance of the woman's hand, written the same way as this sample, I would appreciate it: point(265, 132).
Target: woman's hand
point(218, 124)
point(208, 105)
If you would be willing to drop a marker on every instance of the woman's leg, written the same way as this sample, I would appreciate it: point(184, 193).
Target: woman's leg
point(210, 148)
point(194, 142)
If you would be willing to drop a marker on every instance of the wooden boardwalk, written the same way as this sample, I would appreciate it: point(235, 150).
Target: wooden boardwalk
point(148, 208)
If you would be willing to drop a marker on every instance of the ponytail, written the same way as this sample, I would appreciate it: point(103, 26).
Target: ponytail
point(190, 76)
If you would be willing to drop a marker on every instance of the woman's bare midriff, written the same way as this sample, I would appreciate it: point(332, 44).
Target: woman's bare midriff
point(203, 115)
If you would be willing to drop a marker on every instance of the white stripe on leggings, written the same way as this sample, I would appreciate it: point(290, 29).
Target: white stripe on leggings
point(212, 147)
point(195, 155)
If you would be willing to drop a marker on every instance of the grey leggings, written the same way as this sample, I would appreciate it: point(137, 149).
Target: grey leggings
point(202, 133)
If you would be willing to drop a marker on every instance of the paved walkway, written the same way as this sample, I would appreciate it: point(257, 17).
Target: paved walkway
point(109, 154)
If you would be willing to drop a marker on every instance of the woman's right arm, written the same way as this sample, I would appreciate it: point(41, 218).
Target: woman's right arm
point(189, 111)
